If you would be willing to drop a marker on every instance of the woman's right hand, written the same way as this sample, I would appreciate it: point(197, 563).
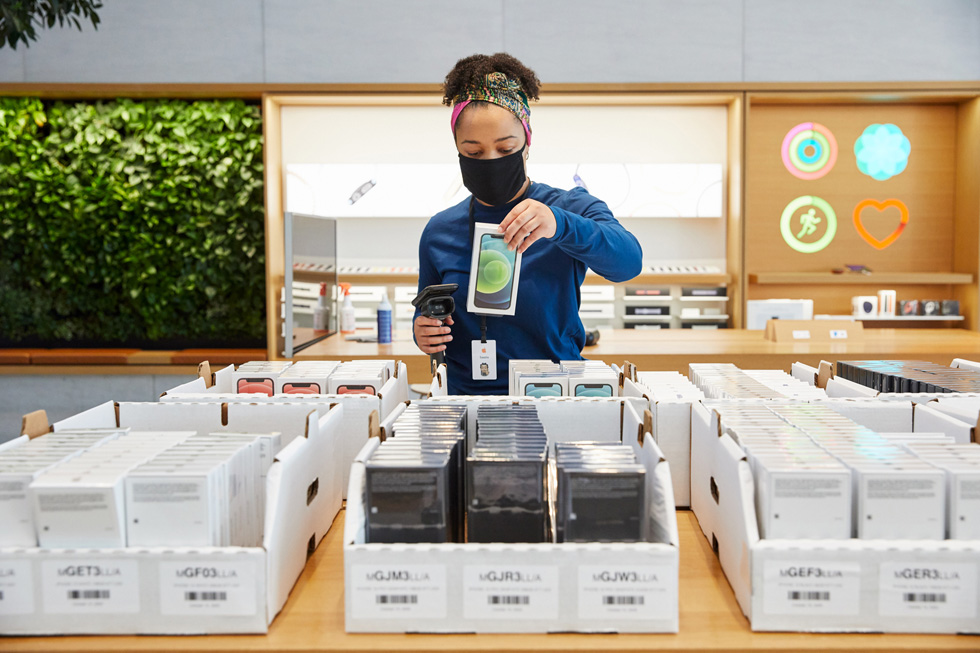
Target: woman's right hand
point(431, 334)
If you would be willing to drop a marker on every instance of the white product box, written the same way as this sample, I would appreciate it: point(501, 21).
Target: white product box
point(760, 311)
point(169, 591)
point(498, 268)
point(243, 414)
point(824, 585)
point(258, 377)
point(668, 396)
point(899, 502)
point(587, 384)
point(81, 503)
point(543, 385)
point(565, 587)
point(797, 501)
point(305, 377)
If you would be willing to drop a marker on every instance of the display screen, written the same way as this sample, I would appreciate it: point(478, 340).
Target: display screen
point(593, 390)
point(543, 390)
point(256, 386)
point(355, 390)
point(496, 273)
point(301, 388)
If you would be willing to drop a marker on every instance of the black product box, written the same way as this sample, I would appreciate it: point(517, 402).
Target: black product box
point(718, 291)
point(408, 501)
point(931, 307)
point(506, 500)
point(909, 307)
point(648, 310)
point(640, 291)
point(950, 307)
point(602, 505)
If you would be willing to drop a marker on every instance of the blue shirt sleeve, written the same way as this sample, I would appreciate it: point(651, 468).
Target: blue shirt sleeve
point(428, 275)
point(587, 231)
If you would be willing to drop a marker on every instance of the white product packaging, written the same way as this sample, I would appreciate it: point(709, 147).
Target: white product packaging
point(495, 273)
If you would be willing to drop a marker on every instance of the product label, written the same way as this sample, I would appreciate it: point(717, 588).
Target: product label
point(510, 592)
point(16, 587)
point(627, 592)
point(211, 588)
point(806, 587)
point(398, 591)
point(801, 334)
point(838, 334)
point(90, 586)
point(927, 589)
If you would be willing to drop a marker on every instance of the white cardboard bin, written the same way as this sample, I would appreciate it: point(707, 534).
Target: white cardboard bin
point(913, 586)
point(178, 591)
point(538, 588)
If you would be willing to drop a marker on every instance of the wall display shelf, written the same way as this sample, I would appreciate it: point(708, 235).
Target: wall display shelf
point(888, 181)
point(874, 279)
point(914, 318)
point(666, 164)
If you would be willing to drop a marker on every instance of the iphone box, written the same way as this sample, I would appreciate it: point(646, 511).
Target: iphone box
point(593, 384)
point(495, 272)
point(305, 377)
point(258, 377)
point(544, 384)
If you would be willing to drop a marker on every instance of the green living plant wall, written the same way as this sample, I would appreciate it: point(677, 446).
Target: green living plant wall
point(131, 223)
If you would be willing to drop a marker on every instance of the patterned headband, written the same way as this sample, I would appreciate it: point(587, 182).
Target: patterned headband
point(498, 89)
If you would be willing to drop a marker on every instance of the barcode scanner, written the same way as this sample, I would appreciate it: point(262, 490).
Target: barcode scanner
point(436, 301)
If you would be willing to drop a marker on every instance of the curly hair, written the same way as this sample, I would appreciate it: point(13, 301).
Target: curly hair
point(473, 68)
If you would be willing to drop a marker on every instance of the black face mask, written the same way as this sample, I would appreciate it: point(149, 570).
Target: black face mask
point(494, 181)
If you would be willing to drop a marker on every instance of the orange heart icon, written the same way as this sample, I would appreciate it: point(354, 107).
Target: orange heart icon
point(880, 206)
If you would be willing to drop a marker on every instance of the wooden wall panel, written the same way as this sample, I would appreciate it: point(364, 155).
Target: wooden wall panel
point(926, 187)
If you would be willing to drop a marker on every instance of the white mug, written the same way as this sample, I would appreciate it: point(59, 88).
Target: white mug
point(887, 299)
point(864, 306)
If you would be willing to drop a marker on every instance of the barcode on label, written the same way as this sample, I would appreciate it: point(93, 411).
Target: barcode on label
point(924, 598)
point(509, 600)
point(205, 596)
point(809, 596)
point(88, 594)
point(622, 600)
point(397, 599)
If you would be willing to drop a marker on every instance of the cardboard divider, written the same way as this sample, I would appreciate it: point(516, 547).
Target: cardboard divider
point(34, 424)
point(169, 591)
point(293, 517)
point(824, 585)
point(671, 429)
point(823, 331)
point(442, 587)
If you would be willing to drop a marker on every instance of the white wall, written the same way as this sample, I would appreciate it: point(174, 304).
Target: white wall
point(417, 41)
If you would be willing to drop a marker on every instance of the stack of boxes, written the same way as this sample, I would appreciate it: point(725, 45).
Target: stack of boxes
point(543, 378)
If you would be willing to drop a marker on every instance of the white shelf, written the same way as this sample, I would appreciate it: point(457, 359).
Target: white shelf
point(639, 318)
point(913, 318)
point(644, 299)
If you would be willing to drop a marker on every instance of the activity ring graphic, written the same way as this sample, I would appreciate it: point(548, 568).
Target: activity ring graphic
point(809, 150)
point(792, 239)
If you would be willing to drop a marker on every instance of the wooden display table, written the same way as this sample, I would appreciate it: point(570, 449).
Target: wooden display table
point(674, 349)
point(313, 620)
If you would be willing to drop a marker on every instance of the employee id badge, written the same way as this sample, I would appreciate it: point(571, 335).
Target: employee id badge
point(484, 360)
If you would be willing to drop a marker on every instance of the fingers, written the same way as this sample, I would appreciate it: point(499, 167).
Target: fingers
point(431, 334)
point(535, 236)
point(519, 227)
point(514, 213)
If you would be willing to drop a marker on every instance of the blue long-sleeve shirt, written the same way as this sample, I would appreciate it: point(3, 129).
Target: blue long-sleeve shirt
point(546, 324)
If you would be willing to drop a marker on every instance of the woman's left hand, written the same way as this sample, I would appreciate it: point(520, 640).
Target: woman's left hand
point(527, 222)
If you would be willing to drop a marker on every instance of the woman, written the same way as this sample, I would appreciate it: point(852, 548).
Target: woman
point(560, 233)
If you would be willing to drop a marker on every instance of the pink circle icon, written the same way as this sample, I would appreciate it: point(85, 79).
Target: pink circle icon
point(809, 150)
